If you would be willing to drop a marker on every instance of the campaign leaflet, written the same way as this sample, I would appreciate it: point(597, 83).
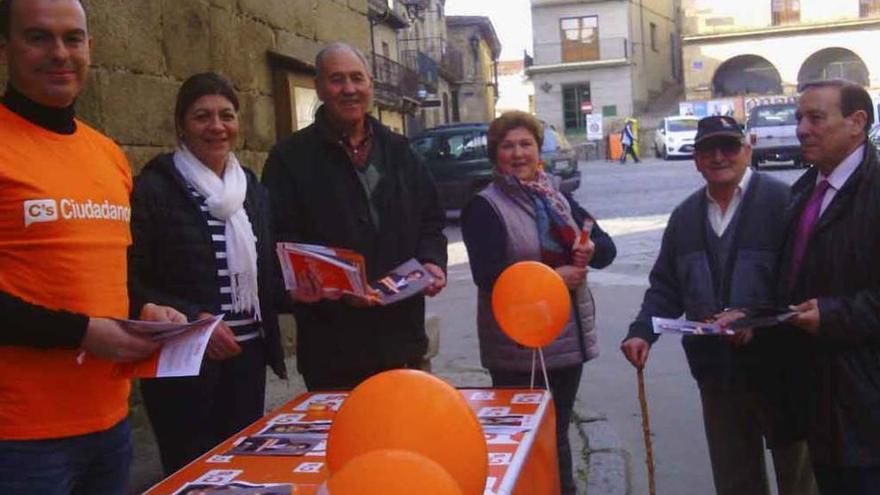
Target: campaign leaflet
point(236, 488)
point(343, 270)
point(405, 281)
point(183, 346)
point(685, 327)
point(272, 445)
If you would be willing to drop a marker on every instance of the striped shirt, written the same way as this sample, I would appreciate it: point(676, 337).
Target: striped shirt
point(243, 325)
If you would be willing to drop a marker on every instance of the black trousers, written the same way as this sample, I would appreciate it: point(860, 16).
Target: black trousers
point(321, 380)
point(191, 415)
point(564, 384)
point(835, 480)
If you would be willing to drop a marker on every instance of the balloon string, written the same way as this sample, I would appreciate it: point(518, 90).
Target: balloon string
point(534, 357)
point(544, 369)
point(646, 431)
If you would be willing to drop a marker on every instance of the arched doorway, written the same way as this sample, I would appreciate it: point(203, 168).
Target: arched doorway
point(746, 74)
point(834, 63)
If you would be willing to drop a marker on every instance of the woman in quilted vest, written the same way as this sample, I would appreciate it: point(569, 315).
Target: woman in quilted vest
point(522, 216)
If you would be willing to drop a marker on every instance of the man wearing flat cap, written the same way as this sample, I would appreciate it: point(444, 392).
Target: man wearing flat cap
point(720, 250)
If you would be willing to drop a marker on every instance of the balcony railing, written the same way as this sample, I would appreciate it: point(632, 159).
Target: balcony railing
point(607, 49)
point(452, 64)
point(382, 11)
point(427, 68)
point(393, 81)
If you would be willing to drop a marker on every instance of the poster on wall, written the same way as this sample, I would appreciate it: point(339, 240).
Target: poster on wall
point(720, 107)
point(594, 127)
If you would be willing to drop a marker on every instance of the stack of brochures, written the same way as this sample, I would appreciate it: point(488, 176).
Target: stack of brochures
point(344, 270)
point(334, 268)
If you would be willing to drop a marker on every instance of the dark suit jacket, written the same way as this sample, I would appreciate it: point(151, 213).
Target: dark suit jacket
point(841, 268)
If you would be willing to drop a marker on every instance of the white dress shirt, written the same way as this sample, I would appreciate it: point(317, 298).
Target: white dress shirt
point(840, 175)
point(719, 220)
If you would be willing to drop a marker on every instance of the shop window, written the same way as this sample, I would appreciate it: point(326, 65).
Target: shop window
point(294, 93)
point(573, 98)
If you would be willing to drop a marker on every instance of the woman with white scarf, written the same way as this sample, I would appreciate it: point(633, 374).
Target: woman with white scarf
point(202, 244)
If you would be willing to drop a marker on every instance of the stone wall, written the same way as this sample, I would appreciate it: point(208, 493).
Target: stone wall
point(143, 50)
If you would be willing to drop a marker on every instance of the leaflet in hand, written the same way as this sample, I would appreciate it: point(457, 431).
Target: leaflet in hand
point(338, 269)
point(183, 347)
point(333, 268)
point(406, 280)
point(667, 325)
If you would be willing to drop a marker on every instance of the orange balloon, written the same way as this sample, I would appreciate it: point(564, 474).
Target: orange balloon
point(392, 472)
point(414, 411)
point(531, 303)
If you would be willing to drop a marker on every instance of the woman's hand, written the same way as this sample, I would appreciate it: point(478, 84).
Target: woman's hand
point(222, 344)
point(573, 276)
point(582, 254)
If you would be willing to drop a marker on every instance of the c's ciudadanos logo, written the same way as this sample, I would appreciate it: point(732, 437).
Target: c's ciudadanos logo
point(40, 210)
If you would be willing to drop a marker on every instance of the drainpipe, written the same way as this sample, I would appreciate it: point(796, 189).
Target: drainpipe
point(642, 35)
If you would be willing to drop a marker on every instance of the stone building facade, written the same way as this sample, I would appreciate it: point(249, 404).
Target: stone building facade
point(608, 56)
point(143, 50)
point(475, 38)
point(760, 47)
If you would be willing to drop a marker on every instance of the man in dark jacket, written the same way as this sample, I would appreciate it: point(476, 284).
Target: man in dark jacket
point(720, 250)
point(832, 272)
point(348, 181)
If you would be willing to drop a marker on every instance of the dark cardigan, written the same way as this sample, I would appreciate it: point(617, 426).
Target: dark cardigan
point(171, 260)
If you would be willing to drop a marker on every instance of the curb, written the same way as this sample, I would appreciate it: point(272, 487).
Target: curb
point(607, 463)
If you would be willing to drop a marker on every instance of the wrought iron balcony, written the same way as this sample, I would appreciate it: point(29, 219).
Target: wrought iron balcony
point(427, 68)
point(392, 81)
point(452, 64)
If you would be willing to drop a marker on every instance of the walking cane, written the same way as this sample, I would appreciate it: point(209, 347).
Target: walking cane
point(646, 432)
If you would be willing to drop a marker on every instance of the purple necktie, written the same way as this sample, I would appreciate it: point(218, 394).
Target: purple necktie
point(805, 227)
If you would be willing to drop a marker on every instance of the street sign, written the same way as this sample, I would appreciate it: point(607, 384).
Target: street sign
point(594, 127)
point(586, 106)
point(435, 103)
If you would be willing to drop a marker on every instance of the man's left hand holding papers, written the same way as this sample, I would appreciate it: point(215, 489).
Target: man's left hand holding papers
point(177, 346)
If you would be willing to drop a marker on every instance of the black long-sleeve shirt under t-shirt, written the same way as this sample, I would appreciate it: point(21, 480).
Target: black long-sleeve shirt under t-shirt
point(26, 324)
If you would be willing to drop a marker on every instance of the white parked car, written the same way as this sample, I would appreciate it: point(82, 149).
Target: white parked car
point(675, 137)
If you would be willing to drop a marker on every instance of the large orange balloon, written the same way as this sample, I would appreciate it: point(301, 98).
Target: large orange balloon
point(531, 303)
point(392, 472)
point(411, 410)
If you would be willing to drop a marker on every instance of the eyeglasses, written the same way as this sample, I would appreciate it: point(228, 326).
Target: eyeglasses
point(727, 148)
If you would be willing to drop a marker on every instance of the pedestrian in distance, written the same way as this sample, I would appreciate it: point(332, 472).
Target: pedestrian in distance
point(522, 216)
point(720, 250)
point(628, 142)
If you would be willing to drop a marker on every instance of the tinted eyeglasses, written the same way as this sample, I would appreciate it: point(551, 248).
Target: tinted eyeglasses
point(728, 147)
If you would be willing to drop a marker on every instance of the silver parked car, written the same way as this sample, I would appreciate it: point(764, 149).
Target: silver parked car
point(772, 130)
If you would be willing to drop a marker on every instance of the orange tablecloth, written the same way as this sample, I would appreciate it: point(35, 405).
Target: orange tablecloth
point(522, 460)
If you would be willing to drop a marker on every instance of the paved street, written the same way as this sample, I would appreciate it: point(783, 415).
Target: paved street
point(632, 202)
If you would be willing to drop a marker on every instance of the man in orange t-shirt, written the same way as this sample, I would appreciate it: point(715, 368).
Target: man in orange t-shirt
point(64, 233)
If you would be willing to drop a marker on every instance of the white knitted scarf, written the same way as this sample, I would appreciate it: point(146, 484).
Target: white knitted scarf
point(225, 201)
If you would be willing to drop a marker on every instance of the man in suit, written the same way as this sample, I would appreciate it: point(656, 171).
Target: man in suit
point(831, 272)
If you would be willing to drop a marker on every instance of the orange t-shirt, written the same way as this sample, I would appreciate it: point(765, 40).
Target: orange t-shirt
point(64, 232)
